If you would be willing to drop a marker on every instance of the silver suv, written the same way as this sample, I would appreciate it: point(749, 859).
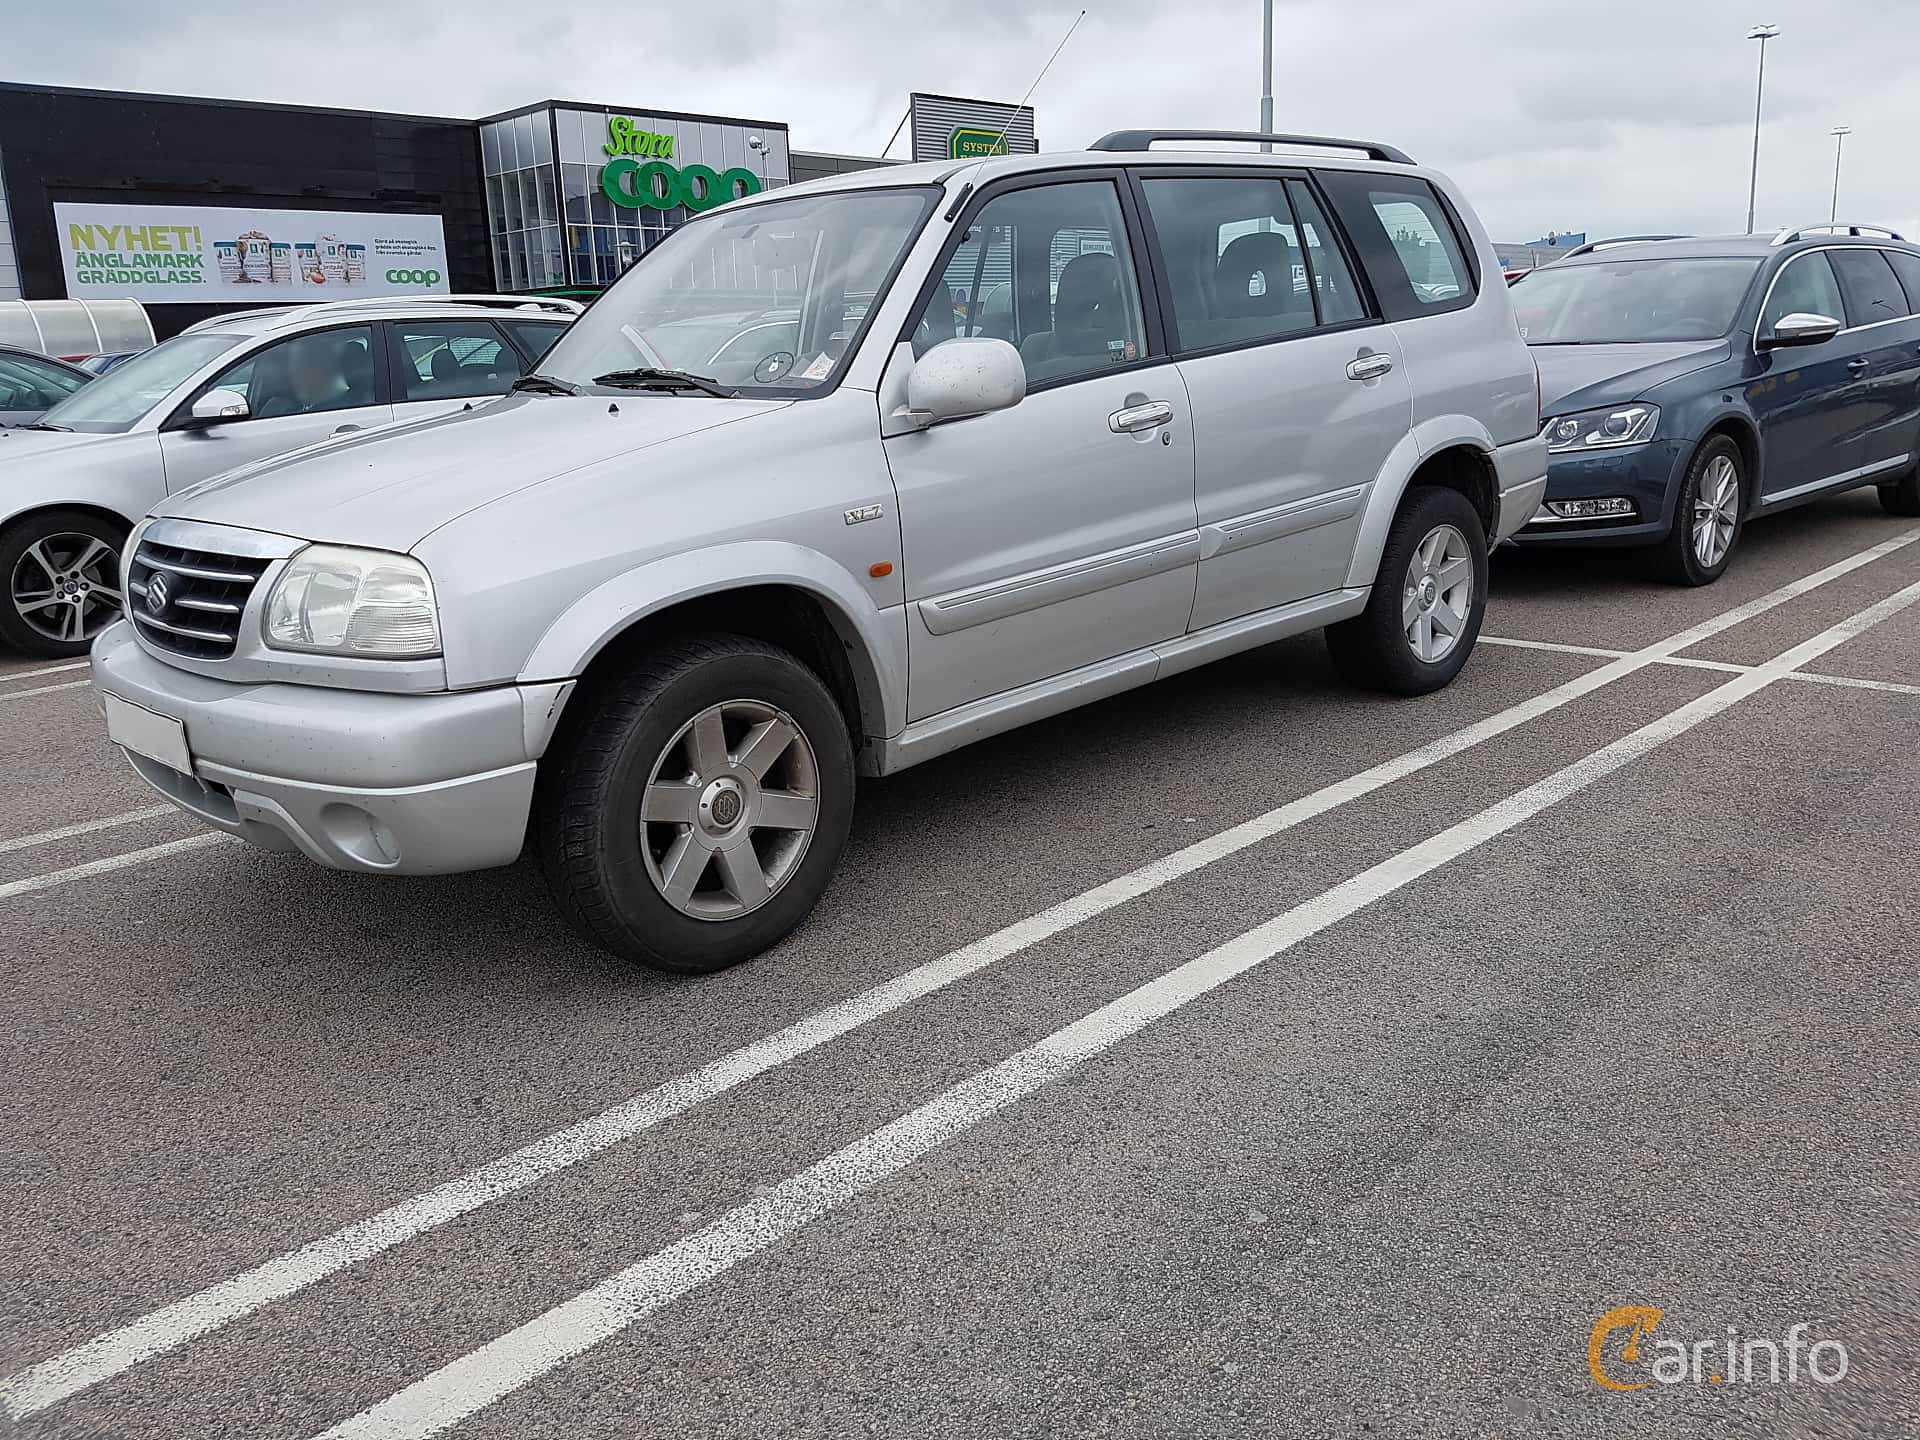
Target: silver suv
point(228, 391)
point(834, 481)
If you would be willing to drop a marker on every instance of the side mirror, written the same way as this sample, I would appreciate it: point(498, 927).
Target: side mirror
point(961, 378)
point(218, 406)
point(1800, 328)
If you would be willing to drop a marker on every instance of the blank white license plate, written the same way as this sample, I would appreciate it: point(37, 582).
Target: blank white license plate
point(158, 737)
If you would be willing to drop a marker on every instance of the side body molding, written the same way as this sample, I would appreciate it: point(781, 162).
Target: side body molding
point(1429, 437)
point(875, 639)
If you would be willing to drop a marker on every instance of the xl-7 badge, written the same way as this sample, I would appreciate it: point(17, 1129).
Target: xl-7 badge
point(865, 512)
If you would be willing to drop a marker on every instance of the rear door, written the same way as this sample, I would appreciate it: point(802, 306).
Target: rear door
point(1885, 364)
point(299, 391)
point(445, 365)
point(1296, 384)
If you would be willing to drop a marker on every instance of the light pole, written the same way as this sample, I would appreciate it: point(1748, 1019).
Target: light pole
point(1839, 133)
point(1762, 33)
point(1266, 75)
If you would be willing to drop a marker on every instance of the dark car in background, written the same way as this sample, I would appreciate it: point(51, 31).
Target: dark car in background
point(32, 384)
point(1690, 385)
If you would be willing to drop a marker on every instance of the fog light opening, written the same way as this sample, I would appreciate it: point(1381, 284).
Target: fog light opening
point(360, 835)
point(1611, 507)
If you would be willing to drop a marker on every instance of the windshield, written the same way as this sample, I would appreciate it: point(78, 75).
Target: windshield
point(118, 399)
point(766, 299)
point(1693, 298)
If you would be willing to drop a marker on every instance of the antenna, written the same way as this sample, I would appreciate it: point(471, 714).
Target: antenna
point(896, 133)
point(998, 139)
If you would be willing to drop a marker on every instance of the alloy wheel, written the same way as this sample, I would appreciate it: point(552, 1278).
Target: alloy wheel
point(729, 809)
point(1716, 511)
point(66, 586)
point(1437, 599)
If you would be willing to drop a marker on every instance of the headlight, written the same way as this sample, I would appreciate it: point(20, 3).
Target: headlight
point(1597, 429)
point(334, 601)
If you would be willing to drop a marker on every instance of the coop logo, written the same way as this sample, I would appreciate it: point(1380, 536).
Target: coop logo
point(413, 277)
point(1622, 1356)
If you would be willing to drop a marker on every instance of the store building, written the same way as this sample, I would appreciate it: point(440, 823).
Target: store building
point(195, 206)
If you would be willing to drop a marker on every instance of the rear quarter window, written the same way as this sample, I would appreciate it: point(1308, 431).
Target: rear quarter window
point(1410, 242)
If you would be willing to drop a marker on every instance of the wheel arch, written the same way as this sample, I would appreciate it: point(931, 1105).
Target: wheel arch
point(1746, 435)
point(780, 593)
point(48, 507)
point(1454, 451)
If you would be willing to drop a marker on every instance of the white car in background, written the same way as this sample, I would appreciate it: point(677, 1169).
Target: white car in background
point(225, 393)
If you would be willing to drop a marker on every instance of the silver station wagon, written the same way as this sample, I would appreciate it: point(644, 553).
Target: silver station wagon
point(836, 480)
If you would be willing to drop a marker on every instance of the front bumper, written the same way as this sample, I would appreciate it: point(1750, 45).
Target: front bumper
point(399, 784)
point(1646, 474)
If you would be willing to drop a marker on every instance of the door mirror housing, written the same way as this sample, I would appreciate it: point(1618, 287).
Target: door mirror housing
point(216, 407)
point(958, 379)
point(1800, 328)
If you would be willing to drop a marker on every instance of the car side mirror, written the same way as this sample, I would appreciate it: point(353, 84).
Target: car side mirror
point(961, 378)
point(1800, 328)
point(216, 407)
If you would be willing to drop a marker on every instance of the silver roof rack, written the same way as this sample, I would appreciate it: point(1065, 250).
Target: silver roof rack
point(1593, 245)
point(1787, 237)
point(1146, 139)
point(302, 310)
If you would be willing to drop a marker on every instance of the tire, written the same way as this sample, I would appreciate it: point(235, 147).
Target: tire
point(1688, 556)
point(1381, 648)
point(62, 573)
point(648, 732)
point(1902, 497)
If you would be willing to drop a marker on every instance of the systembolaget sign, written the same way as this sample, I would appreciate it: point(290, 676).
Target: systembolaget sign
point(639, 177)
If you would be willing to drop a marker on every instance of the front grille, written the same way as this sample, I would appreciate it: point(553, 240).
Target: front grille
point(205, 596)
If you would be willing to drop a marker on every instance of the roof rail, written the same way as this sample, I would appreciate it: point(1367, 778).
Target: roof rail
point(555, 304)
point(1592, 245)
point(1787, 237)
point(1145, 140)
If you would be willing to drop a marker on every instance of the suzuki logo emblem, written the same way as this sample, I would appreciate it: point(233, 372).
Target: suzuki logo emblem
point(159, 593)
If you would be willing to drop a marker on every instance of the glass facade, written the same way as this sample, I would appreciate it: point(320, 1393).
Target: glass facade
point(550, 219)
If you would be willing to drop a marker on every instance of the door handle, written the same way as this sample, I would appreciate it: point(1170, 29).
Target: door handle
point(1369, 367)
point(1140, 417)
point(1858, 364)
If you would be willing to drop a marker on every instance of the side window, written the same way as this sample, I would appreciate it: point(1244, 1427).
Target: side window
point(25, 384)
point(306, 375)
point(536, 337)
point(1242, 267)
point(451, 360)
point(1906, 265)
point(1805, 287)
point(1867, 280)
point(1334, 288)
point(1048, 268)
point(1406, 242)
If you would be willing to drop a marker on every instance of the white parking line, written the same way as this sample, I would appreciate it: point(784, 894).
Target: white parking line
point(498, 1368)
point(8, 677)
point(100, 867)
point(42, 690)
point(86, 827)
point(1690, 662)
point(33, 1389)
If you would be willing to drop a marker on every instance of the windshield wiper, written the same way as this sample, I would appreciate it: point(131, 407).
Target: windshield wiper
point(42, 425)
point(676, 380)
point(542, 385)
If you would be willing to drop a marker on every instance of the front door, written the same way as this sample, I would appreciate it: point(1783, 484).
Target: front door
point(1802, 396)
point(1298, 390)
point(1060, 532)
point(299, 391)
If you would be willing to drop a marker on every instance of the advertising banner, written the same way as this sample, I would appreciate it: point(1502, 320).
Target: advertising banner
point(177, 254)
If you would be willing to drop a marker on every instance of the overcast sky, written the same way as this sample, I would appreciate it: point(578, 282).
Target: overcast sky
point(1609, 117)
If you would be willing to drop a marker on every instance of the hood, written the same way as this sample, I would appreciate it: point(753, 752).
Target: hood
point(18, 445)
point(393, 487)
point(1584, 377)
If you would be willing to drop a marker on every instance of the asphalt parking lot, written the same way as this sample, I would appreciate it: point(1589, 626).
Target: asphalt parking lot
point(1243, 1056)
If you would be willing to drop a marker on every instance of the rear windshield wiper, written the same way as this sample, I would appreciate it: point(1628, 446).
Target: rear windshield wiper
point(542, 385)
point(676, 380)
